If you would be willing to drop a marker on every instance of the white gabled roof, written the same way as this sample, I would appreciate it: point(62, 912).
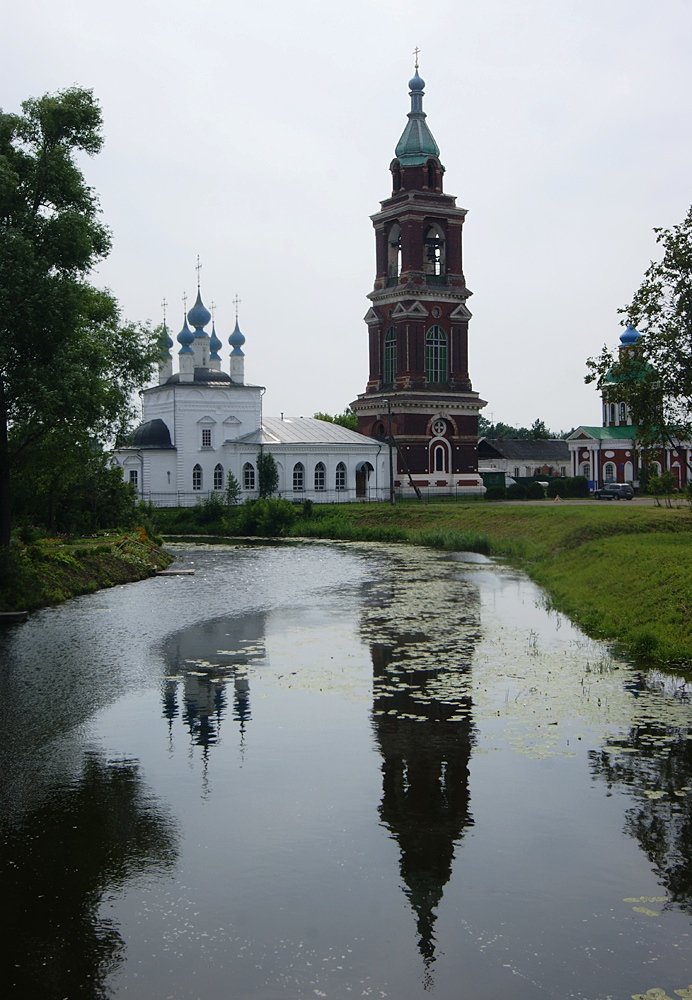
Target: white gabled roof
point(309, 430)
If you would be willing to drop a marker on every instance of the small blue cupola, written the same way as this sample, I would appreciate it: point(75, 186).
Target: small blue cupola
point(236, 340)
point(214, 344)
point(185, 338)
point(629, 335)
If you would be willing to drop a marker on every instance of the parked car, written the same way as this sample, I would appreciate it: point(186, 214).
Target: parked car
point(614, 491)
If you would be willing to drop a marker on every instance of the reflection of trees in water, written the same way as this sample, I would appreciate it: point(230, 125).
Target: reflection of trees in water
point(422, 628)
point(57, 863)
point(654, 760)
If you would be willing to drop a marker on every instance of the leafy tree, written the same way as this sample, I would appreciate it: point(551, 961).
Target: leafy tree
point(267, 474)
point(537, 430)
point(232, 494)
point(655, 379)
point(69, 485)
point(346, 419)
point(67, 362)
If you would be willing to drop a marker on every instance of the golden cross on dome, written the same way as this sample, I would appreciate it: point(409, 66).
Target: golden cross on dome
point(198, 268)
point(236, 303)
point(415, 52)
point(213, 312)
point(163, 306)
point(185, 302)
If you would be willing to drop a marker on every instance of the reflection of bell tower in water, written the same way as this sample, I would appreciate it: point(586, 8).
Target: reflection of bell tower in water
point(423, 730)
point(419, 390)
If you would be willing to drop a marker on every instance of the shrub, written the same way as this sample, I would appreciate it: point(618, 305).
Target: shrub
point(535, 491)
point(516, 492)
point(495, 493)
point(268, 517)
point(210, 510)
point(557, 488)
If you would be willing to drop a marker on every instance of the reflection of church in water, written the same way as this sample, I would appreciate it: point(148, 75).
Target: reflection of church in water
point(423, 731)
point(203, 662)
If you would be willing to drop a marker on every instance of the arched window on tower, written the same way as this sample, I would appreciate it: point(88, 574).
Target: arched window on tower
point(218, 477)
point(396, 177)
point(197, 477)
point(623, 414)
point(389, 365)
point(436, 355)
point(434, 262)
point(611, 414)
point(431, 174)
point(394, 254)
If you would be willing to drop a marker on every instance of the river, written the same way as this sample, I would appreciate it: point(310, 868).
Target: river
point(339, 770)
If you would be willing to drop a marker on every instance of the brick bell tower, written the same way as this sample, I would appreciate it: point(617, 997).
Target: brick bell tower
point(419, 394)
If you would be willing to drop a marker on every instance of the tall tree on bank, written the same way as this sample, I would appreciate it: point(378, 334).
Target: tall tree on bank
point(655, 380)
point(67, 362)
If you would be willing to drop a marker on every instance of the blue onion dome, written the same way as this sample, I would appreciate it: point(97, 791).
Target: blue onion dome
point(630, 335)
point(416, 83)
point(186, 338)
point(236, 340)
point(214, 344)
point(199, 315)
point(165, 342)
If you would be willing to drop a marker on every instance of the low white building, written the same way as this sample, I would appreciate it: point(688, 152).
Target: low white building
point(201, 424)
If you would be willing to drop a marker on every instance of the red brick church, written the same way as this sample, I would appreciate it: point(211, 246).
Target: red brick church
point(419, 396)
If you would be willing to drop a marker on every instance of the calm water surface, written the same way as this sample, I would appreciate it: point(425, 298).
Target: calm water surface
point(339, 771)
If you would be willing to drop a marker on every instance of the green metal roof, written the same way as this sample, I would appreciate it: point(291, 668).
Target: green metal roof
point(416, 144)
point(605, 433)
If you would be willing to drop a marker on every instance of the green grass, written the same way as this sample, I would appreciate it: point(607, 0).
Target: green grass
point(49, 571)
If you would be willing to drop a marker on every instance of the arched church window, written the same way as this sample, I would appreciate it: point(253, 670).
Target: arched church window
point(611, 413)
point(341, 476)
point(436, 355)
point(248, 476)
point(389, 366)
point(434, 259)
point(394, 251)
point(585, 470)
point(439, 458)
point(197, 477)
point(609, 472)
point(320, 476)
point(623, 413)
point(218, 477)
point(298, 477)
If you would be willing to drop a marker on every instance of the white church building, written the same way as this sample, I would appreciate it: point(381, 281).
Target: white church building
point(201, 424)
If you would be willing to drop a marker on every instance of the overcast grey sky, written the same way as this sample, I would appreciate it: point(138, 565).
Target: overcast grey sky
point(259, 134)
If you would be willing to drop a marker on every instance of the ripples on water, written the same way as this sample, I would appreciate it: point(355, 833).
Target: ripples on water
point(339, 770)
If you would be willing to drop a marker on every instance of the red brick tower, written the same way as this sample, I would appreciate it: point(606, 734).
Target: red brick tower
point(419, 390)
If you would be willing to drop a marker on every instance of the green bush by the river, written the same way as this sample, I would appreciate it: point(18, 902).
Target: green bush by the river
point(43, 571)
point(622, 571)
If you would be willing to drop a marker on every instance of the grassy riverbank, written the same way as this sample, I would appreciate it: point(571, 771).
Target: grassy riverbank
point(49, 571)
point(622, 571)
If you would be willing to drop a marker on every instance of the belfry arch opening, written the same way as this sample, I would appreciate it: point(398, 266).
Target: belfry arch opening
point(434, 262)
point(394, 251)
